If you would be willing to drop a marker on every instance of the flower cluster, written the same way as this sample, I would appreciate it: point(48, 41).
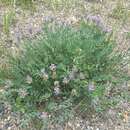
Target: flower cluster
point(22, 93)
point(58, 85)
point(57, 90)
point(43, 115)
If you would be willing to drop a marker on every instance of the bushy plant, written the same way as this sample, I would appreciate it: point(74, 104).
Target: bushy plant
point(62, 71)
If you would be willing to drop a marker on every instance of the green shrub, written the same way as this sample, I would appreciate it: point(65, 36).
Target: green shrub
point(62, 71)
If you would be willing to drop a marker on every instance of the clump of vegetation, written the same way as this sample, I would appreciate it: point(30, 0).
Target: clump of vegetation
point(28, 4)
point(62, 4)
point(8, 19)
point(128, 35)
point(62, 73)
point(120, 12)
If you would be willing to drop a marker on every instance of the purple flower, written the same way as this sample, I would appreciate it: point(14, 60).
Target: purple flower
point(43, 71)
point(91, 86)
point(99, 22)
point(96, 19)
point(43, 115)
point(57, 91)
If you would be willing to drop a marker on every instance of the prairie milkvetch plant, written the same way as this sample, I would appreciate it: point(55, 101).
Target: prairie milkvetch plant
point(66, 68)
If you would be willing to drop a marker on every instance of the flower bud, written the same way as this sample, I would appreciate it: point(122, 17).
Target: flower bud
point(56, 91)
point(65, 80)
point(28, 79)
point(81, 76)
point(74, 92)
point(56, 83)
point(45, 76)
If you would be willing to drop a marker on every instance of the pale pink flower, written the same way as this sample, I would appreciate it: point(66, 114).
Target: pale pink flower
point(28, 79)
point(56, 83)
point(57, 91)
point(91, 86)
point(44, 115)
point(65, 80)
point(74, 92)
